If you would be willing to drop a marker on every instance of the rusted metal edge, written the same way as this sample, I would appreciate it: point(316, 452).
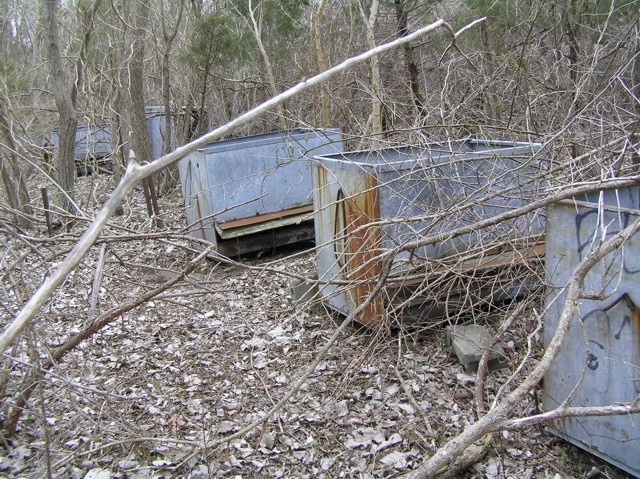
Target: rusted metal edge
point(263, 218)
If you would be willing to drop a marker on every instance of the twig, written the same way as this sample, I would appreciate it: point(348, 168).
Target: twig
point(486, 354)
point(575, 411)
point(68, 382)
point(47, 210)
point(498, 414)
point(107, 318)
point(135, 173)
point(412, 400)
point(454, 37)
point(309, 371)
point(138, 440)
point(97, 281)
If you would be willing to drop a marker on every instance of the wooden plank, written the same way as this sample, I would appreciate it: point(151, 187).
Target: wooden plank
point(262, 218)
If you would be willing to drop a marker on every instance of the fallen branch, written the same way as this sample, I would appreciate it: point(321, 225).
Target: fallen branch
point(135, 173)
point(575, 411)
point(496, 417)
point(88, 331)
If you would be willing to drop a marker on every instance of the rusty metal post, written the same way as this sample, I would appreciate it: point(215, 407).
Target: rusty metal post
point(47, 211)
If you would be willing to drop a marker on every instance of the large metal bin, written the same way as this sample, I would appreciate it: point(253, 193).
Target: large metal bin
point(369, 202)
point(254, 193)
point(156, 121)
point(599, 364)
point(93, 142)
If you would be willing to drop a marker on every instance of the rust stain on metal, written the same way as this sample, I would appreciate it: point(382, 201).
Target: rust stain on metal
point(362, 248)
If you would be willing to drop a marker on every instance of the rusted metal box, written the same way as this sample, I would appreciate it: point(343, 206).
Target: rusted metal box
point(370, 202)
point(599, 364)
point(254, 193)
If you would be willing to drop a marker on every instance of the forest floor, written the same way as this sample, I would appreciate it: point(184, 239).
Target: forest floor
point(217, 351)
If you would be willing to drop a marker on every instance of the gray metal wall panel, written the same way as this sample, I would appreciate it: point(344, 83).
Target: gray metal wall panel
point(245, 177)
point(601, 354)
point(267, 174)
point(430, 181)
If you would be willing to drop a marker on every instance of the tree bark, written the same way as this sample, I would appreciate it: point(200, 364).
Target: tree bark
point(65, 104)
point(168, 38)
point(13, 173)
point(491, 102)
point(412, 67)
point(256, 27)
point(140, 142)
point(376, 81)
point(324, 91)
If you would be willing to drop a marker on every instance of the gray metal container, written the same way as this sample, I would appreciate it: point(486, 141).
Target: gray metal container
point(599, 364)
point(93, 142)
point(155, 127)
point(369, 202)
point(254, 193)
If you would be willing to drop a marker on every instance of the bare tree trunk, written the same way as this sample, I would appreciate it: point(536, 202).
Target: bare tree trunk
point(376, 81)
point(11, 190)
point(65, 104)
point(119, 131)
point(168, 37)
point(65, 96)
point(324, 91)
point(491, 99)
point(13, 174)
point(256, 27)
point(139, 135)
point(571, 25)
point(412, 67)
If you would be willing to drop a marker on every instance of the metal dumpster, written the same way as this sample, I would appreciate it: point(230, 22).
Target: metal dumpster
point(254, 193)
point(599, 363)
point(369, 202)
point(155, 128)
point(93, 142)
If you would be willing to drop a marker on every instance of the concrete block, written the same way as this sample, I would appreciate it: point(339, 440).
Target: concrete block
point(304, 292)
point(469, 342)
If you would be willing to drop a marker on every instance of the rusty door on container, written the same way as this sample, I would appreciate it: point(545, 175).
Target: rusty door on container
point(349, 246)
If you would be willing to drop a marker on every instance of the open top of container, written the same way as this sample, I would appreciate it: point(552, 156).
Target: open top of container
point(407, 157)
point(249, 142)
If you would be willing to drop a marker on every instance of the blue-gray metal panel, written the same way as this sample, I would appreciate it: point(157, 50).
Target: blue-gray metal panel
point(94, 141)
point(91, 141)
point(264, 174)
point(429, 182)
point(198, 210)
point(155, 128)
point(599, 363)
point(406, 157)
